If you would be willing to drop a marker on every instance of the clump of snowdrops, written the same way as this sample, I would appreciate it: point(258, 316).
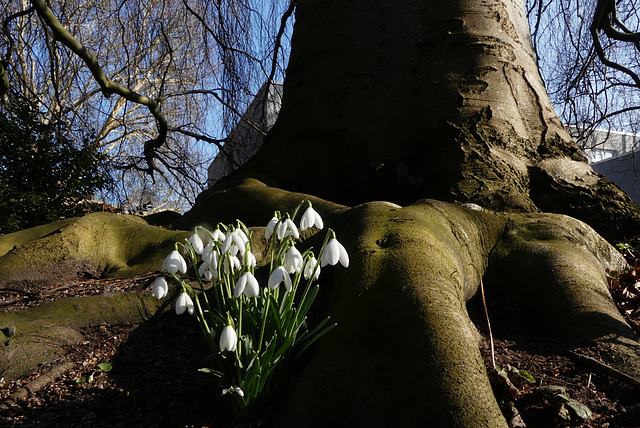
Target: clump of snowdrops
point(255, 331)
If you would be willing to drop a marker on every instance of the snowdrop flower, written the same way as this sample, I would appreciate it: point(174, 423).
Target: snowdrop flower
point(271, 227)
point(293, 260)
point(235, 242)
point(174, 263)
point(249, 259)
point(242, 236)
point(247, 284)
point(230, 264)
point(238, 390)
point(196, 243)
point(184, 303)
point(217, 235)
point(228, 339)
point(206, 272)
point(333, 253)
point(287, 228)
point(309, 219)
point(279, 275)
point(160, 288)
point(210, 255)
point(309, 267)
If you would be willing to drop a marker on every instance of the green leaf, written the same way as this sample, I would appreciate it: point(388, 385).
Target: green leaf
point(317, 335)
point(526, 376)
point(105, 367)
point(211, 371)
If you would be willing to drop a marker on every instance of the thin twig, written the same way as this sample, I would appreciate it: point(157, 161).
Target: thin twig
point(486, 314)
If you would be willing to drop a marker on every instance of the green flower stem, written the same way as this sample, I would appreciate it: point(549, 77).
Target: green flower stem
point(204, 326)
point(300, 205)
point(264, 323)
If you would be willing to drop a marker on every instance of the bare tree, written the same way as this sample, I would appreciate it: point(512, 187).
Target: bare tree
point(155, 81)
point(589, 58)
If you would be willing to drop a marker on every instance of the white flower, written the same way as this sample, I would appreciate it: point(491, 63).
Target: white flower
point(309, 219)
point(309, 267)
point(278, 275)
point(333, 253)
point(184, 303)
point(240, 233)
point(293, 260)
point(247, 284)
point(250, 259)
point(160, 288)
point(287, 228)
point(210, 255)
point(238, 390)
point(228, 339)
point(217, 235)
point(234, 243)
point(206, 272)
point(174, 263)
point(230, 264)
point(196, 243)
point(270, 227)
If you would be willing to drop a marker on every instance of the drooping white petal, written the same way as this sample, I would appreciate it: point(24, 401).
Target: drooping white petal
point(252, 289)
point(218, 235)
point(309, 268)
point(240, 240)
point(243, 236)
point(204, 271)
point(184, 303)
point(287, 228)
point(230, 264)
point(293, 260)
point(250, 259)
point(174, 263)
point(311, 218)
point(228, 339)
point(210, 255)
point(293, 228)
point(160, 288)
point(227, 245)
point(240, 286)
point(331, 253)
point(196, 243)
point(344, 256)
point(270, 227)
point(279, 275)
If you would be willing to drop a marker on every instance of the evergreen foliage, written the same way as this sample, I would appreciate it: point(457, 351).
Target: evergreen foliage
point(44, 174)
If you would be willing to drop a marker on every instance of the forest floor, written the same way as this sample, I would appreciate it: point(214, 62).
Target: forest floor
point(154, 380)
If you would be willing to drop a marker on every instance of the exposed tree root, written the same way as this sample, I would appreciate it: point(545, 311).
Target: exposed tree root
point(404, 344)
point(38, 383)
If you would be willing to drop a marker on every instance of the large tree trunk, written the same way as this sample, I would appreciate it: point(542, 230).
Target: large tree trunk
point(426, 99)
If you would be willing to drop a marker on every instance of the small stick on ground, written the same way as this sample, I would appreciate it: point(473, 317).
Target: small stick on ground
point(38, 383)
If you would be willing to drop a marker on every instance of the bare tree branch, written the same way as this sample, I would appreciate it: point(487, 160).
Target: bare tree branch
point(107, 85)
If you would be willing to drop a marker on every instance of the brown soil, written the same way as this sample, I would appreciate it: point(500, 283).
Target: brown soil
point(155, 383)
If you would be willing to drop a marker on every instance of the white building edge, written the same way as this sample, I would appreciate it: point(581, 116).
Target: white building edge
point(244, 140)
point(616, 155)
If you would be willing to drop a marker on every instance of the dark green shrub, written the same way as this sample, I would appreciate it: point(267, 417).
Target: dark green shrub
point(44, 173)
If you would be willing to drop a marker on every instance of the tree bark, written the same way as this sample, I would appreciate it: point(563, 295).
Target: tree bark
point(429, 99)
